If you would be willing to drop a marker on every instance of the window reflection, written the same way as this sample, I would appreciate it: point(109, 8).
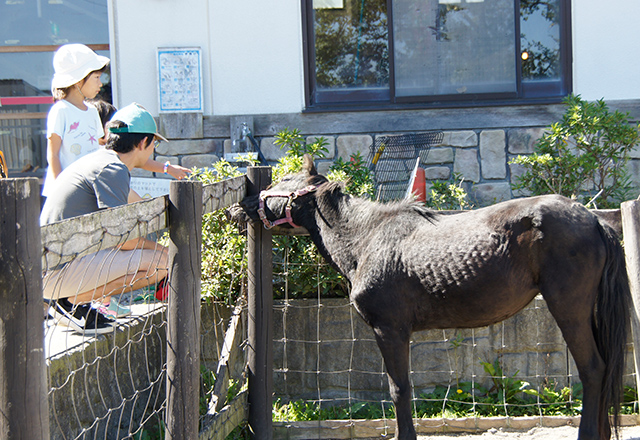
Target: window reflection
point(30, 32)
point(540, 39)
point(351, 43)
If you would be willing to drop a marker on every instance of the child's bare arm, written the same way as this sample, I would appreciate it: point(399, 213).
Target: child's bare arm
point(54, 142)
point(175, 171)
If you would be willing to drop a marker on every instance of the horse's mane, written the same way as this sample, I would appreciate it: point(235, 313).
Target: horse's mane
point(331, 194)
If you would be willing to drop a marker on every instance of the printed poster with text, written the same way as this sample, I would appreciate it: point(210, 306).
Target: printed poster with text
point(180, 79)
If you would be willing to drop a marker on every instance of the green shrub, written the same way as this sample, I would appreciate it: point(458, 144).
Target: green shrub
point(448, 195)
point(583, 156)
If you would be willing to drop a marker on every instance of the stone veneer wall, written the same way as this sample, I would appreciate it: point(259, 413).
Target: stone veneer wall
point(478, 144)
point(328, 353)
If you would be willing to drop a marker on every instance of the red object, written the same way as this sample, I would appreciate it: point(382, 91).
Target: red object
point(162, 290)
point(418, 184)
point(26, 100)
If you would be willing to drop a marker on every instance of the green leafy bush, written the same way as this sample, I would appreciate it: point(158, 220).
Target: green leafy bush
point(223, 246)
point(302, 267)
point(583, 156)
point(448, 195)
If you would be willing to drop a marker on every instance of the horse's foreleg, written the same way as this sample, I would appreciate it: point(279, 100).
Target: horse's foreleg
point(394, 346)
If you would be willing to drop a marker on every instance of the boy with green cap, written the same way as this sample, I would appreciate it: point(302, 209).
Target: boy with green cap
point(97, 181)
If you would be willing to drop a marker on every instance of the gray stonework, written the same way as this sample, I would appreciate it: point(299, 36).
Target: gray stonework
point(523, 140)
point(437, 156)
point(330, 352)
point(479, 149)
point(139, 172)
point(483, 194)
point(516, 172)
point(461, 139)
point(181, 125)
point(186, 147)
point(199, 160)
point(270, 150)
point(492, 154)
point(347, 145)
point(437, 173)
point(466, 164)
point(323, 167)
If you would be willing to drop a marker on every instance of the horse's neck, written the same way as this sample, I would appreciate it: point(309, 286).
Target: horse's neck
point(337, 231)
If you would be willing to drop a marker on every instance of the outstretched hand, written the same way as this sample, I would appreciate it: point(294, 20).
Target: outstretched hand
point(178, 172)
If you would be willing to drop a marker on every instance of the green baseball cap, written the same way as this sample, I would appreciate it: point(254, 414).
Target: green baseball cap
point(138, 120)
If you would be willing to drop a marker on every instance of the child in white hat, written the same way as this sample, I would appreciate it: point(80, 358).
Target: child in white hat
point(73, 127)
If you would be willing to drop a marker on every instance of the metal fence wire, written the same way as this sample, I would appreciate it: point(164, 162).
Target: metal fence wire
point(392, 158)
point(113, 384)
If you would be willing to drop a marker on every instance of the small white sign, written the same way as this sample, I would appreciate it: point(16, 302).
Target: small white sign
point(180, 79)
point(150, 188)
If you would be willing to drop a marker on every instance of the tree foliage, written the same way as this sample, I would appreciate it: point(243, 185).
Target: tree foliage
point(583, 156)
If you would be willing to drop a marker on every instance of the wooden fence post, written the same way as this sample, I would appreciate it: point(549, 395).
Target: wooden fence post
point(630, 212)
point(24, 400)
point(183, 311)
point(260, 308)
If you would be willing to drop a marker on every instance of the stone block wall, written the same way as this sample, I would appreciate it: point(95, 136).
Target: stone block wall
point(326, 352)
point(478, 143)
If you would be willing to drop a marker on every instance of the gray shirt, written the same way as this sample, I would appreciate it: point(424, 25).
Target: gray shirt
point(96, 181)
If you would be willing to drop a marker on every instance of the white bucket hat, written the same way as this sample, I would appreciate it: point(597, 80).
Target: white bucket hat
point(72, 63)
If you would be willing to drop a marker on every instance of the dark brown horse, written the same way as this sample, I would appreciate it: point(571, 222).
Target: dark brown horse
point(412, 269)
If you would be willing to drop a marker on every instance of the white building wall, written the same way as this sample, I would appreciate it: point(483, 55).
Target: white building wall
point(605, 49)
point(252, 51)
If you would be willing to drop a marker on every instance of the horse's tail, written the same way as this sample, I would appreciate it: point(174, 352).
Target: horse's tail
point(611, 328)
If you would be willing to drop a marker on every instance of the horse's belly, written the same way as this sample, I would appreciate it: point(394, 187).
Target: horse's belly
point(471, 309)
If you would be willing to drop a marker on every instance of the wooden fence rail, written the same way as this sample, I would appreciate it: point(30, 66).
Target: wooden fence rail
point(26, 249)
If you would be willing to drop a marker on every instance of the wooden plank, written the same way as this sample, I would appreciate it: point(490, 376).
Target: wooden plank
point(24, 404)
point(14, 116)
point(227, 419)
point(630, 212)
point(231, 344)
point(223, 194)
point(260, 315)
point(68, 239)
point(45, 48)
point(183, 311)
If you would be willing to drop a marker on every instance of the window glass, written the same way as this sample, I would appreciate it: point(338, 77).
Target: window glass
point(437, 50)
point(351, 44)
point(448, 47)
point(56, 22)
point(540, 40)
point(30, 33)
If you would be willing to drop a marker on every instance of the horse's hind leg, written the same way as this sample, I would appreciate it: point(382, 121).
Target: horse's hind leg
point(394, 346)
point(574, 317)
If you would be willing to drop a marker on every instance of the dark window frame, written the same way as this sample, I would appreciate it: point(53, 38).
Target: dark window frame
point(540, 92)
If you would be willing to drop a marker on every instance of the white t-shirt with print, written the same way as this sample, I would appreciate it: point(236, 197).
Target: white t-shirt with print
point(79, 130)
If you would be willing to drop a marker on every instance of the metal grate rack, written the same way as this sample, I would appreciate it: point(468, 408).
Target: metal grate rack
point(392, 159)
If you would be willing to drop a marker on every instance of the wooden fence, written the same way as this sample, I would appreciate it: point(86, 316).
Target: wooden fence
point(27, 248)
point(24, 409)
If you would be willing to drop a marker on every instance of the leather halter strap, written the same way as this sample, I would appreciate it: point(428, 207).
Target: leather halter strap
point(290, 196)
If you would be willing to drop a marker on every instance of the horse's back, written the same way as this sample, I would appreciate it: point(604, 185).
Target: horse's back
point(478, 267)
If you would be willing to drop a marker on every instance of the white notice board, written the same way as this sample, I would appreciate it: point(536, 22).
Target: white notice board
point(149, 188)
point(180, 79)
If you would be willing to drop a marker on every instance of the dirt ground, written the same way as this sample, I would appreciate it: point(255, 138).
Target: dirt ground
point(538, 433)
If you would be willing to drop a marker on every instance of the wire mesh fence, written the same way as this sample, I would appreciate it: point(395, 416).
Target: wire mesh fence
point(108, 376)
point(330, 379)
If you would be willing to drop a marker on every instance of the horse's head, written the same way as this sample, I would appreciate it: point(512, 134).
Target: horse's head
point(277, 204)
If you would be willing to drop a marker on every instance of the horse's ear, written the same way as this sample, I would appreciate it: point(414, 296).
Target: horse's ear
point(308, 165)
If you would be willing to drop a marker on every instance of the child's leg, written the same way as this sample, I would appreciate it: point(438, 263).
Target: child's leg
point(106, 273)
